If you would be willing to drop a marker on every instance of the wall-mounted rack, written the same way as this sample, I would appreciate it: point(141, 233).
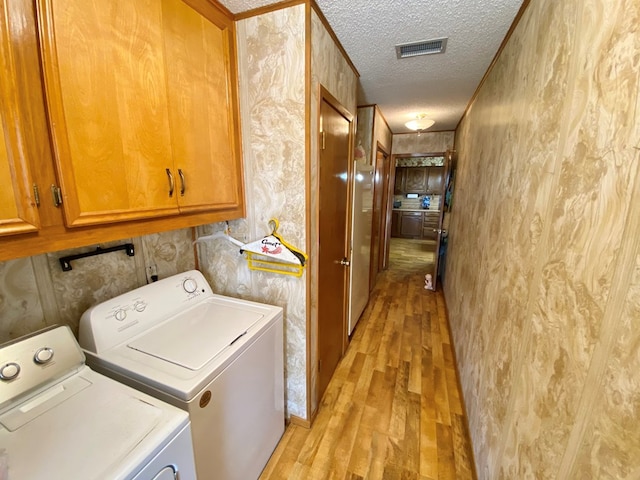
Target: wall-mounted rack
point(65, 262)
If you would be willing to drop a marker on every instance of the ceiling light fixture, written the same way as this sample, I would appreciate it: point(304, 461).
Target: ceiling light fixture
point(420, 123)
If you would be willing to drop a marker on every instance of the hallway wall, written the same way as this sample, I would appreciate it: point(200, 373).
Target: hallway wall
point(543, 268)
point(427, 142)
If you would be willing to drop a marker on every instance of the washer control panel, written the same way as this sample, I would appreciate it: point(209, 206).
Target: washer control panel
point(37, 359)
point(115, 321)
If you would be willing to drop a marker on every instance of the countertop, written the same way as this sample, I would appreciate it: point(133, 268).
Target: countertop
point(427, 210)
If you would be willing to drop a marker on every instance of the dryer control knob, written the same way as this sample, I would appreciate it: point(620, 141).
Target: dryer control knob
point(43, 355)
point(9, 371)
point(120, 315)
point(189, 285)
point(139, 306)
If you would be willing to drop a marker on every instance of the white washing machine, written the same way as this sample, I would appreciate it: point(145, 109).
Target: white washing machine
point(218, 358)
point(61, 420)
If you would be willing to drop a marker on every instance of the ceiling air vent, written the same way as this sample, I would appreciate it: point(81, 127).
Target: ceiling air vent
point(427, 47)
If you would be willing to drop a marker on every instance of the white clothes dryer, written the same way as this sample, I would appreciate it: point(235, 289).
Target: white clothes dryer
point(61, 420)
point(216, 357)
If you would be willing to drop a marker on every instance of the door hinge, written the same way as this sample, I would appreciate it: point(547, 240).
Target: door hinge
point(36, 195)
point(322, 140)
point(56, 193)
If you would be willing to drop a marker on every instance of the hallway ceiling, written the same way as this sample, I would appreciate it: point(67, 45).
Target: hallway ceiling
point(439, 85)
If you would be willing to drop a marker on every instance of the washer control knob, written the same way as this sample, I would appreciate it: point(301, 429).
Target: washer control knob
point(9, 371)
point(43, 355)
point(139, 306)
point(189, 285)
point(120, 315)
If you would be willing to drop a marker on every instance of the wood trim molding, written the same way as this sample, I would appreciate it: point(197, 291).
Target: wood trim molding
point(335, 103)
point(309, 213)
point(301, 422)
point(325, 22)
point(267, 9)
point(378, 110)
point(513, 26)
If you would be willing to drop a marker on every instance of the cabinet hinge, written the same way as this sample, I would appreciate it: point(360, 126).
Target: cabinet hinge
point(36, 195)
point(322, 140)
point(56, 193)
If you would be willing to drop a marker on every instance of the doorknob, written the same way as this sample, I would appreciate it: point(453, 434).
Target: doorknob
point(345, 262)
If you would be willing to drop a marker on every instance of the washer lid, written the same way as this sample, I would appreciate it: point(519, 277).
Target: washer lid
point(102, 430)
point(194, 338)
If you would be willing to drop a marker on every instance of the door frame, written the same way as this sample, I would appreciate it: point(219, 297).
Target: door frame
point(325, 95)
point(392, 176)
point(383, 228)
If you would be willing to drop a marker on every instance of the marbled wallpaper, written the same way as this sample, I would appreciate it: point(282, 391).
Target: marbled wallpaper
point(36, 293)
point(544, 243)
point(330, 69)
point(426, 142)
point(271, 58)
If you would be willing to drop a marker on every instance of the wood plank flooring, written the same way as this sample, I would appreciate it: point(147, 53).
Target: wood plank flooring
point(393, 408)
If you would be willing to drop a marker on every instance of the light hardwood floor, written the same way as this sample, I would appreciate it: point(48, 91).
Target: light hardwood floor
point(393, 408)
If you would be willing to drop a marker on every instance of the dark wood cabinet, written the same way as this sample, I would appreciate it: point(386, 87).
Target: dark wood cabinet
point(395, 223)
point(435, 180)
point(415, 224)
point(430, 224)
point(415, 179)
point(411, 225)
point(420, 180)
point(398, 186)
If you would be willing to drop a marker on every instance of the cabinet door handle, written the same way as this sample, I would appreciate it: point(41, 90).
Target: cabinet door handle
point(183, 185)
point(172, 184)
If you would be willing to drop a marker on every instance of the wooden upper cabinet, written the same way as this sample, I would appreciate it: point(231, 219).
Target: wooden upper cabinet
point(201, 106)
point(398, 186)
point(18, 209)
point(435, 180)
point(415, 179)
point(142, 116)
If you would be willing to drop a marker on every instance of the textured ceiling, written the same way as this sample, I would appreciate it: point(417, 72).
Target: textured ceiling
point(438, 85)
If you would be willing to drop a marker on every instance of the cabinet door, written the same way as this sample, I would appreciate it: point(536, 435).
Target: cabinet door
point(201, 109)
point(415, 179)
point(435, 180)
point(395, 223)
point(398, 187)
point(430, 225)
point(18, 210)
point(411, 224)
point(107, 95)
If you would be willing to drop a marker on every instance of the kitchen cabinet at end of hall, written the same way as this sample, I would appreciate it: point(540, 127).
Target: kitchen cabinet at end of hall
point(415, 224)
point(143, 103)
point(420, 180)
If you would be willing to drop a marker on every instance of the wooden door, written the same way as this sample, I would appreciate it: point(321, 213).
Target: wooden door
point(395, 223)
point(18, 210)
point(201, 108)
point(378, 227)
point(143, 104)
point(435, 180)
point(107, 94)
point(398, 186)
point(333, 239)
point(385, 215)
point(415, 180)
point(411, 225)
